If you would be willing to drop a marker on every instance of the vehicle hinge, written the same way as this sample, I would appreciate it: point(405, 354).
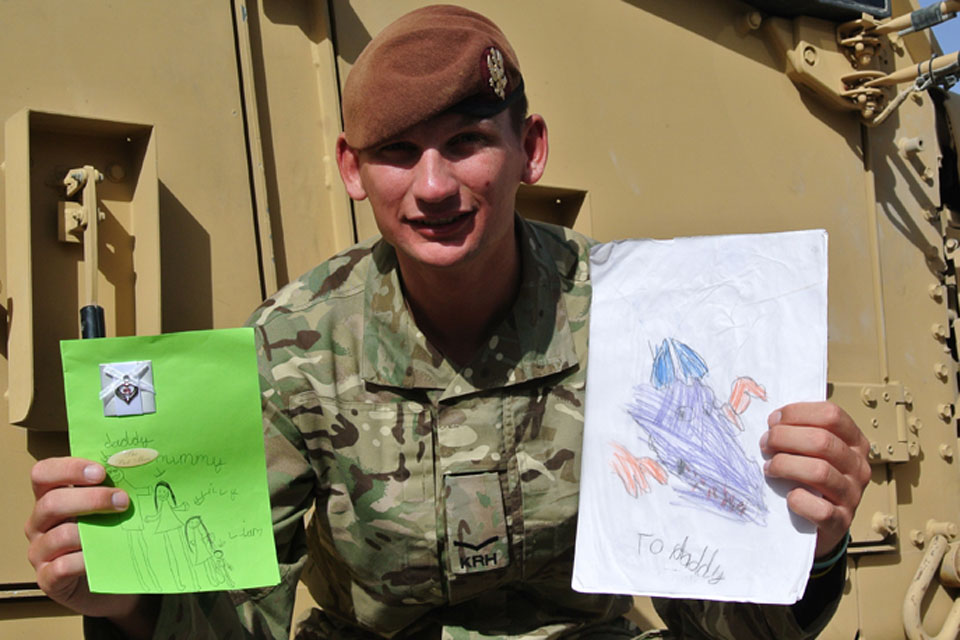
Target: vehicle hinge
point(883, 413)
point(851, 66)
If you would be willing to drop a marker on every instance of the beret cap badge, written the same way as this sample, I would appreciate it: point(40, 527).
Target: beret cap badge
point(495, 75)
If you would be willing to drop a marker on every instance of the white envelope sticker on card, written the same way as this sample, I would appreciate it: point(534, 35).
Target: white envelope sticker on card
point(126, 388)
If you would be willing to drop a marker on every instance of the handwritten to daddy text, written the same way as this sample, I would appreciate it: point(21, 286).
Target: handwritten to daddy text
point(700, 562)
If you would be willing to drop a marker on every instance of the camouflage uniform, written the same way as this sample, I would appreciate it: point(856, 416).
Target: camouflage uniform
point(446, 499)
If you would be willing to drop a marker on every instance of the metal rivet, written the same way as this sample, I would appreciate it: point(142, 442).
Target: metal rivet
point(868, 396)
point(875, 422)
point(917, 537)
point(936, 291)
point(914, 449)
point(810, 55)
point(883, 523)
point(946, 451)
point(939, 331)
point(915, 424)
point(945, 411)
point(941, 370)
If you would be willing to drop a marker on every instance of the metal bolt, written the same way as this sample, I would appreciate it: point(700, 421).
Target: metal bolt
point(883, 523)
point(875, 422)
point(890, 449)
point(928, 175)
point(952, 244)
point(939, 331)
point(936, 291)
point(909, 145)
point(874, 450)
point(810, 55)
point(945, 411)
point(941, 370)
point(751, 21)
point(917, 537)
point(914, 449)
point(945, 451)
point(907, 396)
point(868, 396)
point(915, 424)
point(931, 214)
point(886, 396)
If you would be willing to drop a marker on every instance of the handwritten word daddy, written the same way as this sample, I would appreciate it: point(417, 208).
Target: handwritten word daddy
point(703, 564)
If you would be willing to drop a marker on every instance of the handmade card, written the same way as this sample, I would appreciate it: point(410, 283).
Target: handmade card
point(175, 419)
point(693, 342)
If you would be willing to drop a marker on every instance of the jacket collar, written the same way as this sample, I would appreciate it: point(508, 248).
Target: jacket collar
point(533, 341)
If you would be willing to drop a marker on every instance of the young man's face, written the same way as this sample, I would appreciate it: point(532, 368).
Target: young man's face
point(443, 191)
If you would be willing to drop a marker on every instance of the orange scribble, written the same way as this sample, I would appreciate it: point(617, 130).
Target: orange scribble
point(743, 388)
point(633, 471)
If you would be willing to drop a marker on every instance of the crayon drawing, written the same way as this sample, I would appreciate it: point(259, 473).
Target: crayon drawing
point(695, 437)
point(694, 342)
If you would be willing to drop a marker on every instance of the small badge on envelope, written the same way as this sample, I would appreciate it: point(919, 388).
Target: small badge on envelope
point(126, 388)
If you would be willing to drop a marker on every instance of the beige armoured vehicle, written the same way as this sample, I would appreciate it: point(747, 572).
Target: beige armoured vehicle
point(213, 123)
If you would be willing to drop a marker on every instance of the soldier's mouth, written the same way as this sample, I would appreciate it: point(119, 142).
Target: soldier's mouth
point(438, 222)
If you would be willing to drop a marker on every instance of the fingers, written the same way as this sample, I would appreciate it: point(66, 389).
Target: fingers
point(816, 473)
point(58, 541)
point(824, 415)
point(818, 446)
point(60, 505)
point(61, 577)
point(59, 472)
point(66, 488)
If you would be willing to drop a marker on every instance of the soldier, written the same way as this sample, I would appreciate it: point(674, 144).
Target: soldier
point(424, 391)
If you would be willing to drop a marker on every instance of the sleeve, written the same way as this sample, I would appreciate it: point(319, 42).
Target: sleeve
point(709, 620)
point(252, 613)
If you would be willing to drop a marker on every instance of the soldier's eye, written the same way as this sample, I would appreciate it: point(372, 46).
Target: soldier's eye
point(467, 138)
point(397, 151)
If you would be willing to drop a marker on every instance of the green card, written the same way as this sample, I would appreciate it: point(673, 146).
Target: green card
point(175, 419)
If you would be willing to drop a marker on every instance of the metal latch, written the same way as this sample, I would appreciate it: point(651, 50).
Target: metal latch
point(880, 410)
point(83, 219)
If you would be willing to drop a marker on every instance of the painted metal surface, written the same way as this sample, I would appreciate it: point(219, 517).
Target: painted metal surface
point(668, 117)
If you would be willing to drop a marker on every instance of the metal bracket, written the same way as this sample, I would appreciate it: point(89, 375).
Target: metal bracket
point(940, 556)
point(816, 60)
point(881, 412)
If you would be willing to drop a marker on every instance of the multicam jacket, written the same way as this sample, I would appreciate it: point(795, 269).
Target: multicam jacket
point(446, 498)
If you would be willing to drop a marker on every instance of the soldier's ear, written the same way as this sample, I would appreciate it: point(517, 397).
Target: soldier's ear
point(535, 148)
point(348, 161)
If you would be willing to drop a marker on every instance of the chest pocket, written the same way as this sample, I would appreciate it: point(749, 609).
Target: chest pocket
point(375, 469)
point(547, 427)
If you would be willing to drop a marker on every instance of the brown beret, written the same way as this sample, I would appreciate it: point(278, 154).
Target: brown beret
point(428, 61)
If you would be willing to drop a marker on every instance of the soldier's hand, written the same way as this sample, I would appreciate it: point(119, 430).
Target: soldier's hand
point(819, 446)
point(65, 488)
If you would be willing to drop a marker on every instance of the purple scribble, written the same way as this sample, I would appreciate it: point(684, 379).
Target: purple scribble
point(695, 439)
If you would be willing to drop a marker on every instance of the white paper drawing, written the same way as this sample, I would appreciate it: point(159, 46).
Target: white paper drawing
point(693, 342)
